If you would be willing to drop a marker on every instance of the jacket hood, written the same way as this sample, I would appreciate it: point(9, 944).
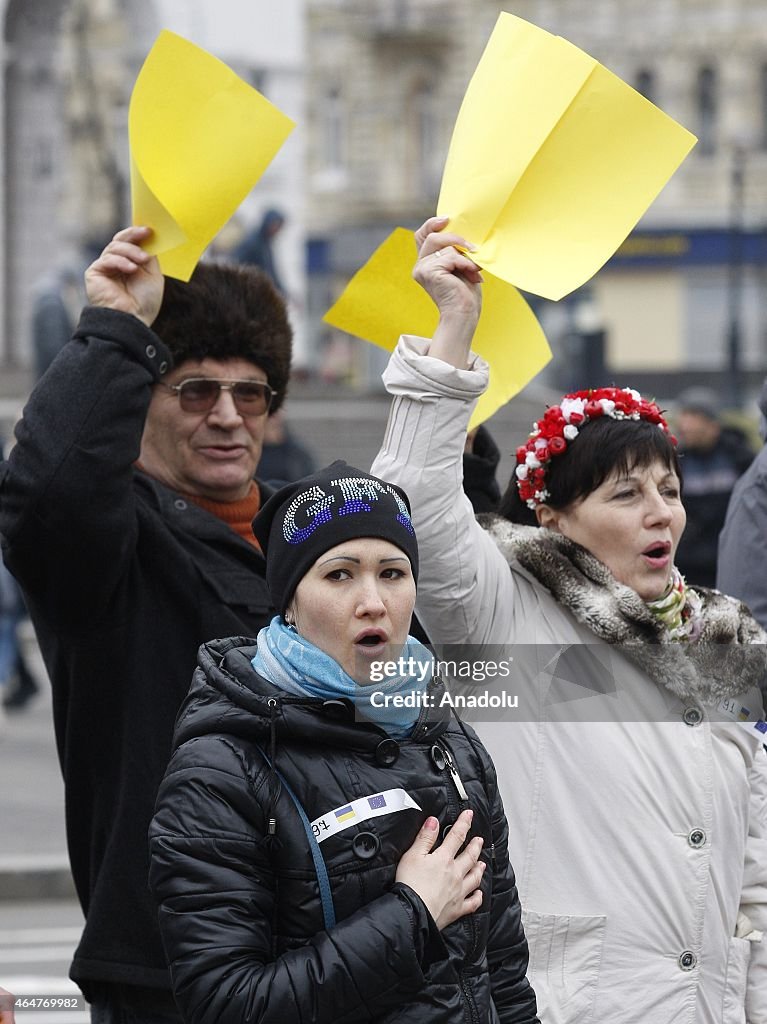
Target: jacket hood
point(227, 695)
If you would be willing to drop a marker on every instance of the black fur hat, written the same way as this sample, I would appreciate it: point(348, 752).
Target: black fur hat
point(226, 311)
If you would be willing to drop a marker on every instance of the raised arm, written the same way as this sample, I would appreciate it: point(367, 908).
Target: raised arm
point(453, 283)
point(67, 511)
point(465, 589)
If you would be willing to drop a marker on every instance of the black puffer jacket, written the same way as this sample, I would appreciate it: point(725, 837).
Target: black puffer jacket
point(241, 917)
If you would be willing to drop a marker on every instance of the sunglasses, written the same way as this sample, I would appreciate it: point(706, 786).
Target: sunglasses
point(200, 394)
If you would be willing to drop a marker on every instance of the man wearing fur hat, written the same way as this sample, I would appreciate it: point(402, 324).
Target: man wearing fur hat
point(125, 511)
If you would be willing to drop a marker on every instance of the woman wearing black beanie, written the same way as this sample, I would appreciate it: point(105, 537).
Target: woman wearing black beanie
point(328, 844)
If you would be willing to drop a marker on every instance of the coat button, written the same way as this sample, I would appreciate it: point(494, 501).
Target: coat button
point(387, 752)
point(696, 838)
point(687, 960)
point(366, 845)
point(151, 351)
point(438, 758)
point(180, 504)
point(163, 366)
point(692, 716)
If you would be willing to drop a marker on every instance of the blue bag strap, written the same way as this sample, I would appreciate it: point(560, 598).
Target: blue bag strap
point(323, 879)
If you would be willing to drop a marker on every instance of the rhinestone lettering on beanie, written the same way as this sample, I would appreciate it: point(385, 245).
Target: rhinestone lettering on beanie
point(358, 488)
point(315, 506)
point(320, 510)
point(308, 517)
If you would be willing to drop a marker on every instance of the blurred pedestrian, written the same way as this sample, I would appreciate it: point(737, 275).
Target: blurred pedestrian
point(256, 249)
point(713, 457)
point(17, 684)
point(126, 514)
point(481, 456)
point(283, 457)
point(742, 565)
point(56, 299)
point(10, 605)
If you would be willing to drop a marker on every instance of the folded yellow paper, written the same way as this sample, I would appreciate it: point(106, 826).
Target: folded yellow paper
point(200, 138)
point(552, 161)
point(383, 301)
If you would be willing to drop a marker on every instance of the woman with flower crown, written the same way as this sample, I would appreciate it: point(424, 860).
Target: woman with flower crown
point(634, 772)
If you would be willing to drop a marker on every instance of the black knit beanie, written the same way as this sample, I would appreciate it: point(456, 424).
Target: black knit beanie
point(306, 518)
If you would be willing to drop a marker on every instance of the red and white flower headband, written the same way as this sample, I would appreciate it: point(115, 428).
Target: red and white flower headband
point(560, 425)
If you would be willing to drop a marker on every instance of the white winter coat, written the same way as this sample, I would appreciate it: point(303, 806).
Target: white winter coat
point(638, 818)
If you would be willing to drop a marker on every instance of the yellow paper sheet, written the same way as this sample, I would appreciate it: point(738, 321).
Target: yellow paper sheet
point(552, 161)
point(383, 301)
point(200, 138)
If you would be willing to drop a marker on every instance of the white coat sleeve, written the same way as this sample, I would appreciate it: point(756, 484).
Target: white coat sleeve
point(754, 896)
point(465, 588)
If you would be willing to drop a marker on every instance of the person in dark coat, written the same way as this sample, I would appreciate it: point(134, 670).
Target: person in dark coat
point(742, 565)
point(257, 247)
point(283, 457)
point(328, 844)
point(713, 457)
point(125, 511)
point(480, 464)
point(55, 299)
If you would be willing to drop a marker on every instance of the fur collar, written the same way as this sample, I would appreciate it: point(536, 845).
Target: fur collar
point(728, 658)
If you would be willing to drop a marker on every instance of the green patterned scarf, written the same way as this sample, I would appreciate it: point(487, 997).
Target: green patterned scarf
point(679, 609)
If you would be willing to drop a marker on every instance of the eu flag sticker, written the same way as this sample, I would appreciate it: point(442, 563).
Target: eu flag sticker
point(761, 726)
point(379, 800)
point(344, 813)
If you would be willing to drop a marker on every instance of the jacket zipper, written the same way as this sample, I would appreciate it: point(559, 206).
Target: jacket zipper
point(470, 924)
point(469, 998)
point(453, 771)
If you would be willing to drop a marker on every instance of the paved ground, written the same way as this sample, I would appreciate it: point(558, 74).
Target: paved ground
point(37, 940)
point(33, 859)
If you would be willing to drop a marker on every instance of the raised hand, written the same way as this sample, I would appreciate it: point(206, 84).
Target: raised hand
point(448, 275)
point(454, 283)
point(125, 277)
point(447, 879)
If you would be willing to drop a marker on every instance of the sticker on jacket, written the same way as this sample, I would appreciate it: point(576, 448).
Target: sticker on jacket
point(373, 806)
point(744, 717)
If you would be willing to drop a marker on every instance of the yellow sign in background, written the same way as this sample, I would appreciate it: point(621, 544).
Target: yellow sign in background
point(552, 161)
point(383, 301)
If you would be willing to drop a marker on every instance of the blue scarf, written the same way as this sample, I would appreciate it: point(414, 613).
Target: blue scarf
point(293, 664)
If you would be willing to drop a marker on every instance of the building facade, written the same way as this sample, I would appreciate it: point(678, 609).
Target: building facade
point(68, 71)
point(685, 294)
point(375, 88)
